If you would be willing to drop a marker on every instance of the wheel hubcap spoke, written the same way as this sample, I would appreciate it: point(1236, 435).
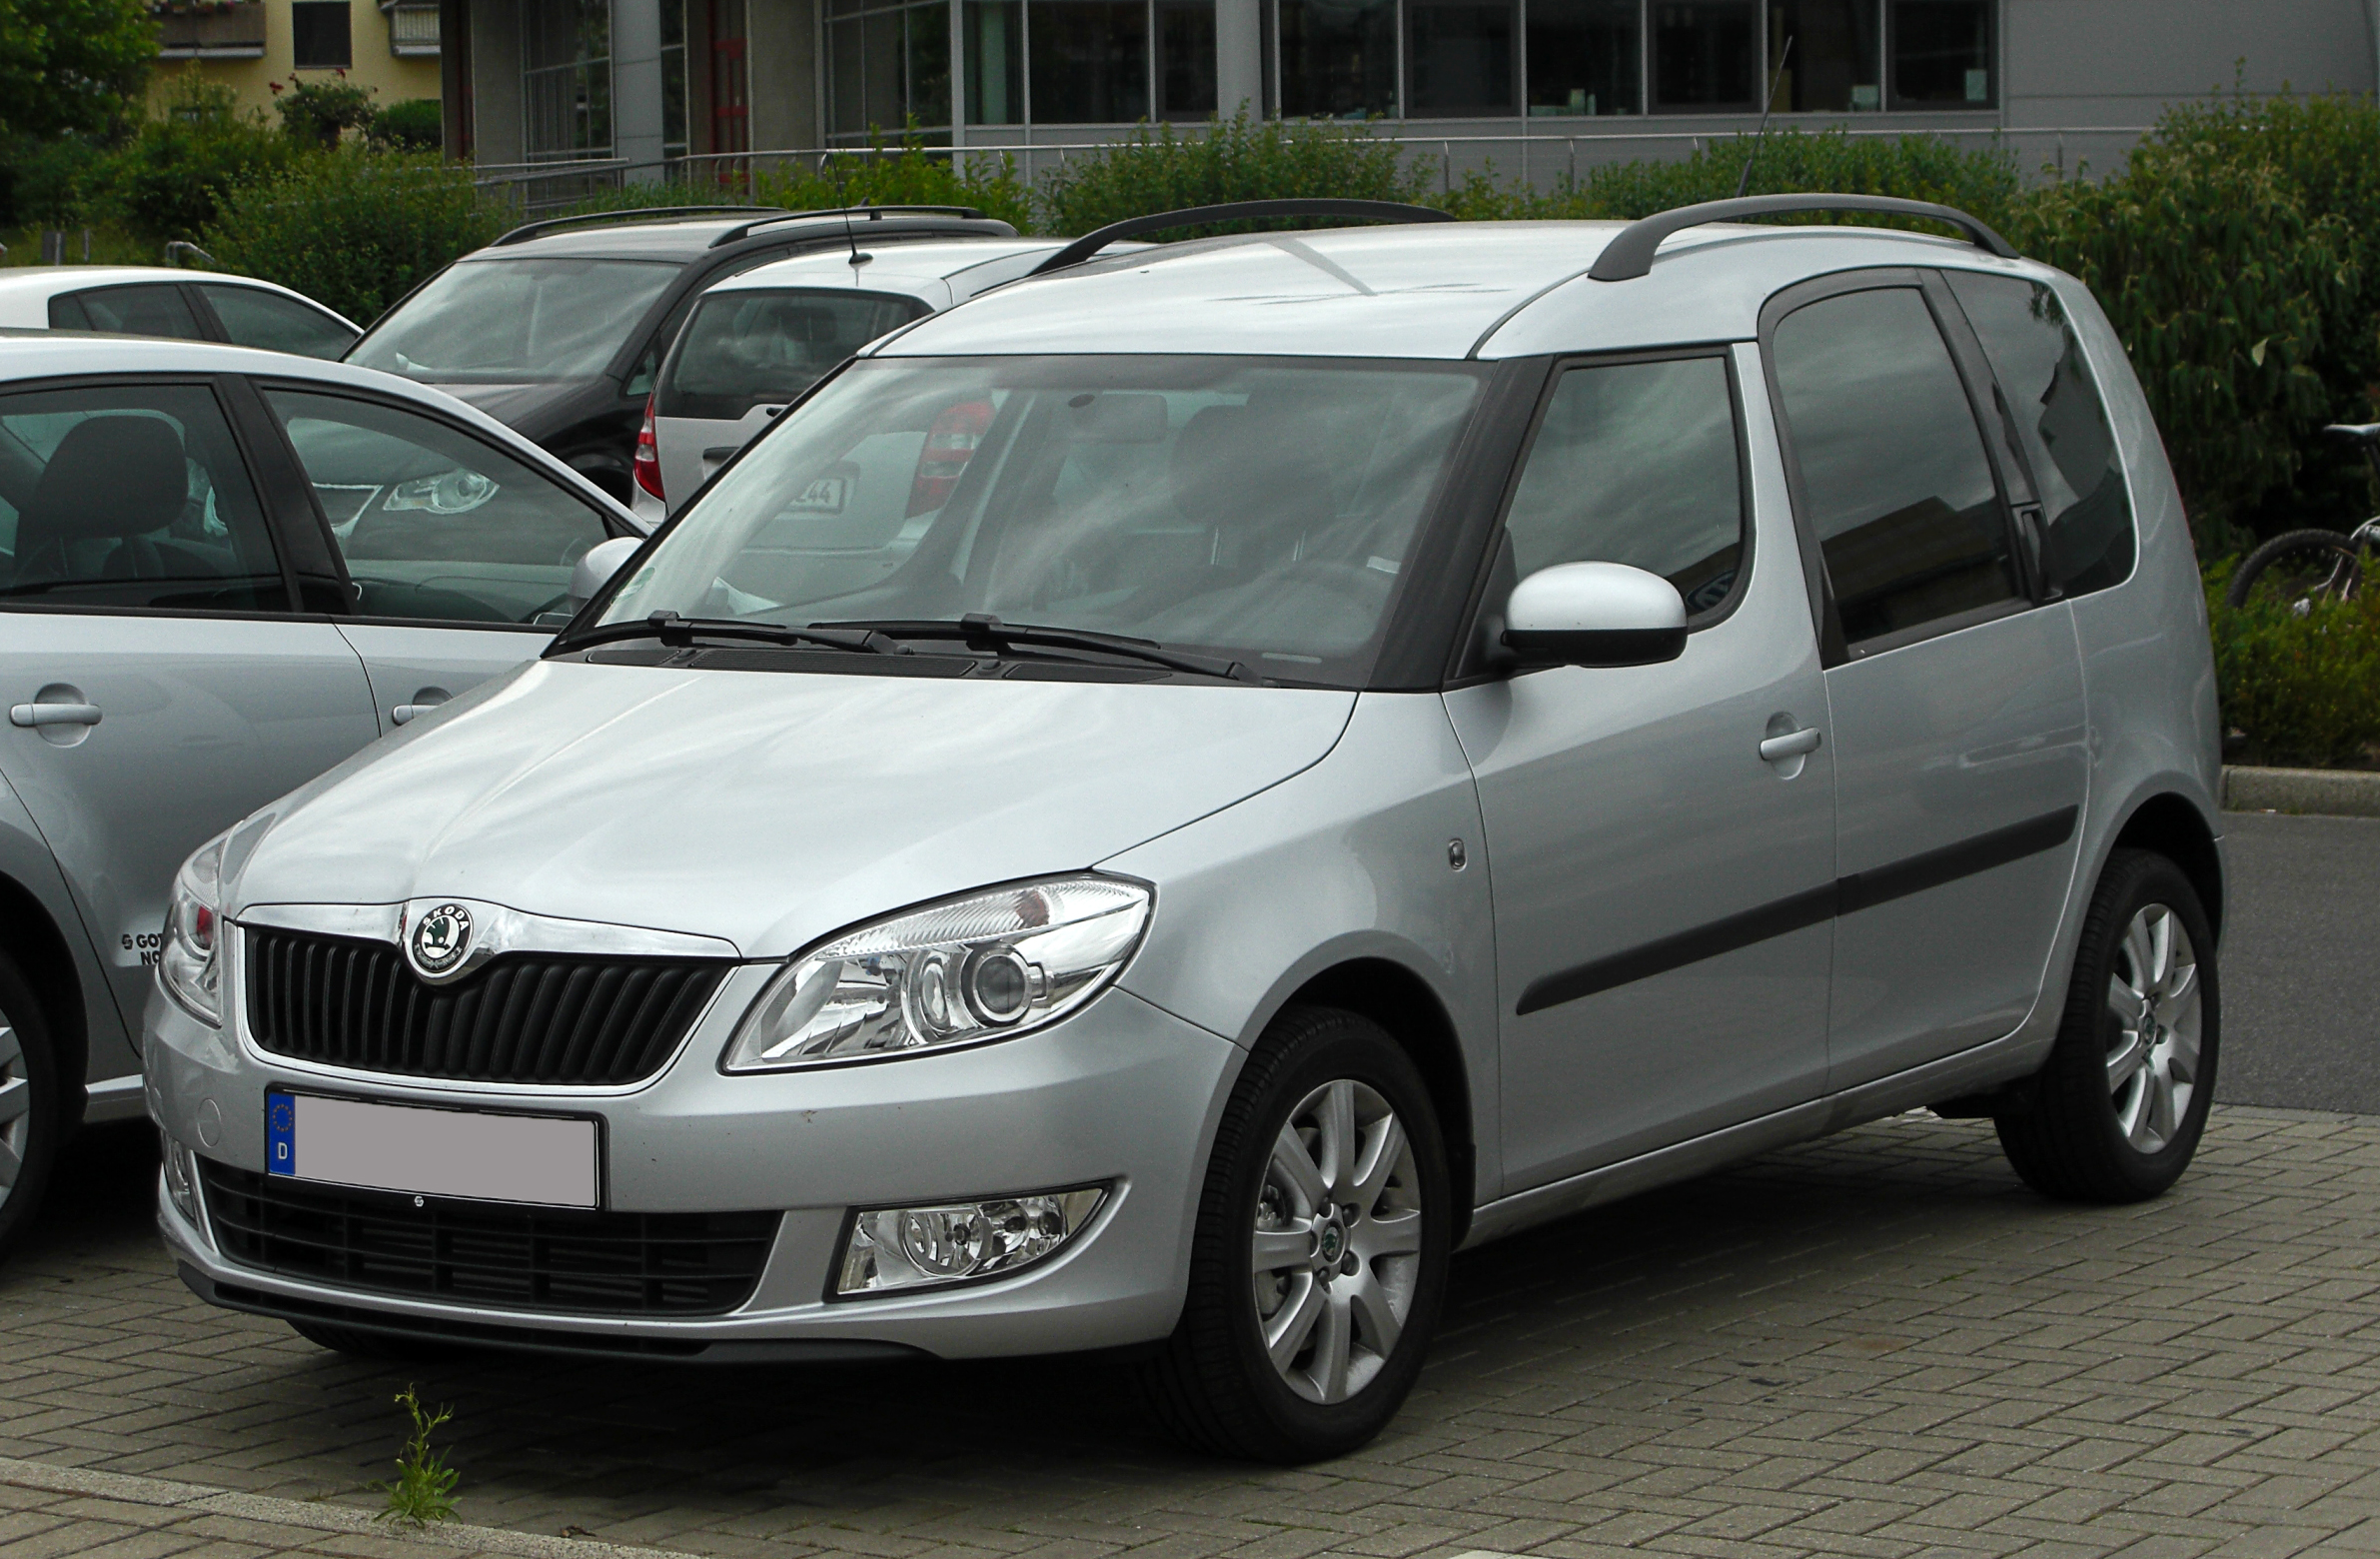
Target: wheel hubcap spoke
point(1278, 1249)
point(1376, 1322)
point(1396, 1234)
point(2152, 1059)
point(1285, 1338)
point(1333, 1342)
point(1337, 1147)
point(1296, 1166)
point(1382, 1151)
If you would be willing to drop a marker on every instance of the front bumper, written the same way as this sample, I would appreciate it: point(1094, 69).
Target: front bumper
point(1121, 1092)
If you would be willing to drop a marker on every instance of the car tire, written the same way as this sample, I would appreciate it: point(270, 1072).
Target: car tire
point(2116, 1114)
point(1346, 1096)
point(33, 1122)
point(375, 1346)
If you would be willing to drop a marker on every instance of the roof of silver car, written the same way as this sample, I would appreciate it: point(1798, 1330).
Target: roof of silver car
point(1451, 289)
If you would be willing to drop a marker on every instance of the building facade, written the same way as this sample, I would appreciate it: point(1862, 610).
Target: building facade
point(1533, 85)
point(389, 46)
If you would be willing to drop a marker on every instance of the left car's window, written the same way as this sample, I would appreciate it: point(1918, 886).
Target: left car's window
point(433, 523)
point(130, 496)
point(252, 316)
point(150, 309)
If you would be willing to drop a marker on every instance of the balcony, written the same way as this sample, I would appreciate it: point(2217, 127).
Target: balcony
point(413, 28)
point(209, 29)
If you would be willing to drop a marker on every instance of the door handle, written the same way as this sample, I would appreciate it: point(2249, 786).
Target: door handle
point(424, 699)
point(36, 715)
point(1793, 744)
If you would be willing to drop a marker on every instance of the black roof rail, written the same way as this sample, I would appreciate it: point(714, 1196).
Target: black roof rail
point(1631, 253)
point(1092, 242)
point(872, 213)
point(530, 229)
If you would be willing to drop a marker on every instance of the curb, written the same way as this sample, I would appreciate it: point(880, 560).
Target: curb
point(199, 1500)
point(2334, 792)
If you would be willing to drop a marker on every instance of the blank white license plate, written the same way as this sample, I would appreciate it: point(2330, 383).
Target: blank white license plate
point(548, 1160)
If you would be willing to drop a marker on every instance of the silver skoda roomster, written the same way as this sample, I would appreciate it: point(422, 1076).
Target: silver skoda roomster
point(1157, 805)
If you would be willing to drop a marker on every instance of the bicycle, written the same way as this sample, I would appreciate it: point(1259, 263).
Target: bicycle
point(2299, 567)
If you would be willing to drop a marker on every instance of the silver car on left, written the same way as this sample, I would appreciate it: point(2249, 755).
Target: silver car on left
point(222, 570)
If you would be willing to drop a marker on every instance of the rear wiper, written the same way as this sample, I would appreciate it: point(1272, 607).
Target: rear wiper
point(677, 631)
point(981, 631)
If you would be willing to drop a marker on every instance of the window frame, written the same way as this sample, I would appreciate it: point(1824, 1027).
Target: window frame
point(204, 307)
point(1966, 359)
point(293, 481)
point(210, 328)
point(221, 388)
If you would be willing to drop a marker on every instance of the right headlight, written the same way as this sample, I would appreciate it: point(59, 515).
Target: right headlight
point(190, 963)
point(985, 966)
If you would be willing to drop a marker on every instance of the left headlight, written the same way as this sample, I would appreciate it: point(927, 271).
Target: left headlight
point(986, 966)
point(189, 964)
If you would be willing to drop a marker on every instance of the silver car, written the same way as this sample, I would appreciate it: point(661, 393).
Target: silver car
point(221, 571)
point(1348, 743)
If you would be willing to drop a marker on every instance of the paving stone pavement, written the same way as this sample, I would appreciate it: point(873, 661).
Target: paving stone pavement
point(1876, 1344)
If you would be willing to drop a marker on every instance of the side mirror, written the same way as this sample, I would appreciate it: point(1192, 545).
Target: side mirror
point(597, 563)
point(1594, 613)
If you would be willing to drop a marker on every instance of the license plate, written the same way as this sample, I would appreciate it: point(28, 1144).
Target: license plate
point(547, 1161)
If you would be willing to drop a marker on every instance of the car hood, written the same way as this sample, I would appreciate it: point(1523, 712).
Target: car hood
point(767, 809)
point(514, 404)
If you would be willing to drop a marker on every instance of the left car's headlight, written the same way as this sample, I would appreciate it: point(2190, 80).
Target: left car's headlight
point(985, 966)
point(189, 964)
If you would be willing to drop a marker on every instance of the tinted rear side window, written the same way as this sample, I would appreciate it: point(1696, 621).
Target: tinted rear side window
point(2061, 426)
point(150, 310)
point(1892, 466)
point(762, 348)
point(1635, 463)
point(252, 316)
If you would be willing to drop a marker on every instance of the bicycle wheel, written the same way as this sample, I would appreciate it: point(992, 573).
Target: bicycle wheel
point(2297, 569)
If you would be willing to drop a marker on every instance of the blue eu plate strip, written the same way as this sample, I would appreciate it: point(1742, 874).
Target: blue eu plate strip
point(281, 1134)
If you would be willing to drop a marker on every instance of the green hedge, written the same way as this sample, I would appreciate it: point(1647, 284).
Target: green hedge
point(2300, 692)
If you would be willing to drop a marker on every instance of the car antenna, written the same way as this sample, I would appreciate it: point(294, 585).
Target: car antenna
point(842, 198)
point(1784, 56)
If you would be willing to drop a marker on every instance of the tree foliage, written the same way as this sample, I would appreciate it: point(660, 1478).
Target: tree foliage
point(72, 65)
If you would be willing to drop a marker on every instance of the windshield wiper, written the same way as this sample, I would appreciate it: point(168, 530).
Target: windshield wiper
point(981, 631)
point(677, 631)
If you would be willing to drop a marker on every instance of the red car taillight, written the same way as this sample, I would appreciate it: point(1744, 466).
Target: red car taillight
point(648, 457)
point(949, 446)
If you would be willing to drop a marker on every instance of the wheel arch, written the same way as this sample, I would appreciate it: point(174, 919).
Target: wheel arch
point(1404, 1004)
point(2169, 824)
point(46, 959)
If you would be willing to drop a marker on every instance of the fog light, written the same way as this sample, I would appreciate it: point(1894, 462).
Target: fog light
point(181, 1179)
point(892, 1248)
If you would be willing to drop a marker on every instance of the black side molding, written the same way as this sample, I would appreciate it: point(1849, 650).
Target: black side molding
point(1631, 253)
point(1844, 896)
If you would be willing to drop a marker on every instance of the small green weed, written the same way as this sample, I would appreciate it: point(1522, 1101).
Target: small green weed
point(424, 1489)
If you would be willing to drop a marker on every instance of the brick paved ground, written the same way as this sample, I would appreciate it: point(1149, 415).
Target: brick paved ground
point(1879, 1344)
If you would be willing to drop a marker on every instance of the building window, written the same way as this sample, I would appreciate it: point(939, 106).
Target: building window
point(1943, 54)
point(889, 66)
point(673, 83)
point(1089, 62)
point(1833, 64)
point(321, 35)
point(1585, 57)
point(1338, 59)
point(1705, 57)
point(1462, 58)
point(565, 79)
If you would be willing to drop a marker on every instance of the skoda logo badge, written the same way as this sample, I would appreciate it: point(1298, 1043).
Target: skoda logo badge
point(440, 940)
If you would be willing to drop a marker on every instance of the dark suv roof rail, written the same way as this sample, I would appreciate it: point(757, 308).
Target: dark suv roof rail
point(872, 213)
point(1631, 253)
point(1092, 242)
point(530, 229)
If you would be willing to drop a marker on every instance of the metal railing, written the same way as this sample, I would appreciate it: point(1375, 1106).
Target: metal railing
point(1536, 156)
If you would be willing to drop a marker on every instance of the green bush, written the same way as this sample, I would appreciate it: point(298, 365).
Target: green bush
point(414, 125)
point(903, 175)
point(1161, 170)
point(2304, 690)
point(355, 230)
point(316, 113)
point(173, 176)
point(55, 183)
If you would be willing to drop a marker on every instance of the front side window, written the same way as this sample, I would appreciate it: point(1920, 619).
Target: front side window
point(152, 309)
point(1258, 508)
point(130, 496)
point(506, 321)
point(2061, 427)
point(252, 316)
point(1635, 463)
point(1893, 472)
point(764, 347)
point(433, 523)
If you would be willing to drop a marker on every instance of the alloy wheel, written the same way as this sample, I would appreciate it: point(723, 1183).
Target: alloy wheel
point(2152, 1059)
point(16, 1109)
point(1337, 1243)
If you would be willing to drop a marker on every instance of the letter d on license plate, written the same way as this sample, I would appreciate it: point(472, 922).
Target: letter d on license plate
point(548, 1160)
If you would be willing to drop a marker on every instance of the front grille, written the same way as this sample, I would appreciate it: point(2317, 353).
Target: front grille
point(526, 1018)
point(517, 1258)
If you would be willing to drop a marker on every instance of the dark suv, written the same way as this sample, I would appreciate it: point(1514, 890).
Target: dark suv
point(557, 327)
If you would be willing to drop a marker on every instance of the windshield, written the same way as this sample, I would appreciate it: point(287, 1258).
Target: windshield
point(506, 321)
point(1252, 507)
point(750, 348)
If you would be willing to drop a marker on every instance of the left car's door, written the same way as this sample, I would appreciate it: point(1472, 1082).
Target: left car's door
point(458, 553)
point(157, 683)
